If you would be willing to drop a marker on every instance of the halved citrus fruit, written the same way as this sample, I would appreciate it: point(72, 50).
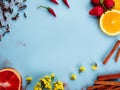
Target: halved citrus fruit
point(117, 4)
point(110, 22)
point(10, 79)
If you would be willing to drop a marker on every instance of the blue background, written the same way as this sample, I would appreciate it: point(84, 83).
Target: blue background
point(42, 44)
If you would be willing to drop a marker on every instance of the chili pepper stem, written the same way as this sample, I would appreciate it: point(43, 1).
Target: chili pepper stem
point(42, 7)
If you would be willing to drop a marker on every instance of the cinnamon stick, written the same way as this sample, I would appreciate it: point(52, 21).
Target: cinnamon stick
point(95, 87)
point(108, 77)
point(118, 55)
point(109, 88)
point(107, 83)
point(118, 88)
point(111, 52)
point(103, 88)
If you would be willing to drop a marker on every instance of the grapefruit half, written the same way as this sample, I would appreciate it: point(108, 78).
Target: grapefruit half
point(10, 79)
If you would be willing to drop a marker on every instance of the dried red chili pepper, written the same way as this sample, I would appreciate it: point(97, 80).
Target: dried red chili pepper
point(54, 1)
point(50, 10)
point(66, 3)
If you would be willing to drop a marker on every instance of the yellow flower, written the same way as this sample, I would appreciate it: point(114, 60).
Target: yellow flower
point(45, 82)
point(42, 80)
point(94, 67)
point(49, 80)
point(47, 77)
point(82, 69)
point(29, 79)
point(59, 82)
point(37, 88)
point(38, 84)
point(56, 85)
point(73, 77)
point(52, 75)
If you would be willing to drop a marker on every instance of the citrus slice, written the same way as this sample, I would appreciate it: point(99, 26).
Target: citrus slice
point(117, 4)
point(110, 22)
point(10, 79)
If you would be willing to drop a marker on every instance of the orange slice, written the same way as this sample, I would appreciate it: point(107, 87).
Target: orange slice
point(110, 22)
point(117, 4)
point(10, 79)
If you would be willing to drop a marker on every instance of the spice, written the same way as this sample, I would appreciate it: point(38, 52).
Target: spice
point(16, 3)
point(0, 37)
point(50, 10)
point(54, 1)
point(25, 15)
point(117, 88)
point(4, 17)
point(22, 7)
point(15, 17)
point(112, 51)
point(66, 3)
point(7, 9)
point(24, 0)
point(0, 24)
point(107, 83)
point(95, 87)
point(118, 55)
point(10, 10)
point(109, 77)
point(7, 30)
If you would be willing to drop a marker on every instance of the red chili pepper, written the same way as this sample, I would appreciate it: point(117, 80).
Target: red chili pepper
point(66, 3)
point(54, 1)
point(50, 10)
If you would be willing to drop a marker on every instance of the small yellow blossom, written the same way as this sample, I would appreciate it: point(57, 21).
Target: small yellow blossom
point(47, 83)
point(58, 85)
point(59, 82)
point(49, 80)
point(82, 69)
point(73, 77)
point(37, 88)
point(29, 79)
point(94, 67)
point(38, 84)
point(47, 77)
point(52, 75)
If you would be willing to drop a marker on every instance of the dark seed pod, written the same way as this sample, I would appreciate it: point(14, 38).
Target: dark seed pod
point(7, 30)
point(10, 10)
point(15, 17)
point(16, 3)
point(22, 7)
point(24, 0)
point(0, 24)
point(4, 17)
point(25, 15)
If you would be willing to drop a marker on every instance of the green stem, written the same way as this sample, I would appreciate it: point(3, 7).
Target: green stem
point(42, 7)
point(101, 2)
point(26, 85)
